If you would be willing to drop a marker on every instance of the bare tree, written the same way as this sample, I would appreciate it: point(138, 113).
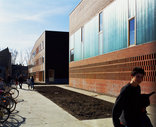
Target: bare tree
point(14, 54)
point(27, 55)
point(21, 58)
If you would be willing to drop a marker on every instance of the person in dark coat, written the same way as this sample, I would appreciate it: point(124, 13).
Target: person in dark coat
point(126, 110)
point(32, 82)
point(144, 102)
point(8, 81)
point(20, 80)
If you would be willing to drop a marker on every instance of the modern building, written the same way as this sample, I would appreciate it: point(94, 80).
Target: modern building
point(5, 63)
point(49, 58)
point(108, 38)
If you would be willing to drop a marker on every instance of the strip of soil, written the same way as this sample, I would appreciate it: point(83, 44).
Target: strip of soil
point(79, 105)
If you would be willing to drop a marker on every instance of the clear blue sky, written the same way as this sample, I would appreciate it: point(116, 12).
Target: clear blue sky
point(23, 21)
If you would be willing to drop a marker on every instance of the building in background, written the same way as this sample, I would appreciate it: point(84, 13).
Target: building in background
point(108, 38)
point(18, 70)
point(49, 58)
point(5, 63)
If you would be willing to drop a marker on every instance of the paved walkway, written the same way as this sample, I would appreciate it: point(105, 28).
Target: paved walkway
point(35, 110)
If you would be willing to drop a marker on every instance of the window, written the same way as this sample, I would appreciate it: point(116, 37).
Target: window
point(72, 55)
point(82, 34)
point(42, 59)
point(100, 21)
point(42, 44)
point(132, 31)
point(100, 33)
point(40, 48)
point(37, 50)
point(33, 54)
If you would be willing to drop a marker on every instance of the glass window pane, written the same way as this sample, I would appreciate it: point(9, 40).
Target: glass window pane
point(82, 36)
point(72, 55)
point(100, 22)
point(132, 32)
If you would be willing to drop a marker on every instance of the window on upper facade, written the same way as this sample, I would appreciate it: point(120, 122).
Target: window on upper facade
point(82, 34)
point(33, 54)
point(132, 31)
point(42, 44)
point(100, 21)
point(40, 48)
point(72, 55)
point(42, 59)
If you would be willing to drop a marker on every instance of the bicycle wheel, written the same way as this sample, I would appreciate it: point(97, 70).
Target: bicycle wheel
point(12, 103)
point(4, 114)
point(14, 93)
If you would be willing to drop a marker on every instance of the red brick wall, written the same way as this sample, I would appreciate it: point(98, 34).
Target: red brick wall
point(109, 72)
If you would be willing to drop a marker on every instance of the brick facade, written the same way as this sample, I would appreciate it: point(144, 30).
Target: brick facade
point(109, 72)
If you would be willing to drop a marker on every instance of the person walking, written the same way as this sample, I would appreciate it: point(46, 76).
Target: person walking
point(32, 82)
point(20, 80)
point(2, 85)
point(8, 81)
point(16, 81)
point(29, 82)
point(126, 110)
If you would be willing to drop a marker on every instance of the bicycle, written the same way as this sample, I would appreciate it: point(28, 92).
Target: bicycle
point(12, 90)
point(4, 114)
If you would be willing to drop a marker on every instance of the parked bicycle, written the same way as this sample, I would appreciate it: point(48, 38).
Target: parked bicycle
point(4, 114)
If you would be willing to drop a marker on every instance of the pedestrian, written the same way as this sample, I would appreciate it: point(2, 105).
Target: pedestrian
point(20, 80)
point(126, 110)
point(2, 85)
point(16, 81)
point(8, 81)
point(143, 103)
point(32, 82)
point(29, 82)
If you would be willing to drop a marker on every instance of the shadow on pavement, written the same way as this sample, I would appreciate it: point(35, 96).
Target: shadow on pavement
point(14, 120)
point(18, 101)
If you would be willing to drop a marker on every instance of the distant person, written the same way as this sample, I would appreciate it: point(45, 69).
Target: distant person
point(126, 110)
point(29, 82)
point(16, 81)
point(8, 80)
point(20, 80)
point(32, 82)
point(2, 84)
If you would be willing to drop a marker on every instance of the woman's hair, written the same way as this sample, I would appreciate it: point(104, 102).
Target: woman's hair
point(137, 70)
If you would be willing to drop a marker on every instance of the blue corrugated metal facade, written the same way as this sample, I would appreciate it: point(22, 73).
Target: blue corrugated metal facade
point(114, 35)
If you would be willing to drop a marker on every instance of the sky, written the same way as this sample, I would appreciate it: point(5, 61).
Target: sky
point(23, 21)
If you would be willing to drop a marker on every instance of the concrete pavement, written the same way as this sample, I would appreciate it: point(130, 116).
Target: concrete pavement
point(35, 110)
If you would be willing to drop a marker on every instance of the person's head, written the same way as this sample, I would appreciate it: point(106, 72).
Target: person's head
point(137, 75)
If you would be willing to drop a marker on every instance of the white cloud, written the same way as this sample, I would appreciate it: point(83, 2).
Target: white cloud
point(23, 21)
point(36, 14)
